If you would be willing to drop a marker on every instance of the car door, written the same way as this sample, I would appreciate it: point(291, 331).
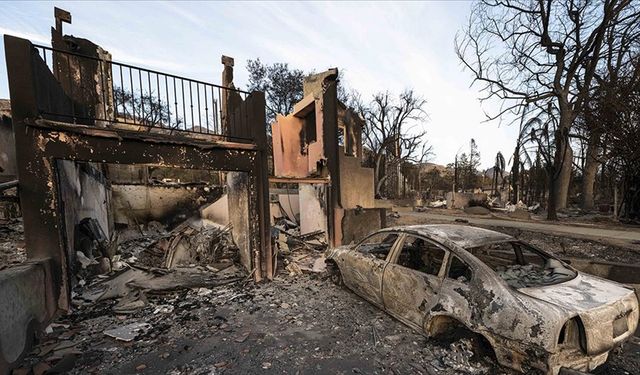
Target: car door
point(362, 270)
point(455, 290)
point(412, 279)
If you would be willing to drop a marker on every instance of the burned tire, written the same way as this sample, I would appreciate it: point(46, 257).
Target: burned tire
point(450, 332)
point(333, 273)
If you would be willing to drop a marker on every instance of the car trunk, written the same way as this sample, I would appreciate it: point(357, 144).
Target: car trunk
point(608, 311)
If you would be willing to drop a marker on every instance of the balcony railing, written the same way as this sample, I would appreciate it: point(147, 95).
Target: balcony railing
point(104, 92)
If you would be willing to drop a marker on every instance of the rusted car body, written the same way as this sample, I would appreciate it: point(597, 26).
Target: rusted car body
point(536, 311)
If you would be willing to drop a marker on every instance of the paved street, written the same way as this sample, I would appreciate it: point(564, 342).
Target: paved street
point(582, 231)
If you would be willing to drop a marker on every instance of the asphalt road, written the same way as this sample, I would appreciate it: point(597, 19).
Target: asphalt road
point(580, 231)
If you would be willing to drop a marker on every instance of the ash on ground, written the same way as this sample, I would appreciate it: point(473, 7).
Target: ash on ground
point(205, 319)
point(294, 325)
point(299, 324)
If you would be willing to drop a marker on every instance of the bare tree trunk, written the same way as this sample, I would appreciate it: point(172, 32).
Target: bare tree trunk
point(515, 170)
point(562, 160)
point(589, 175)
point(551, 198)
point(379, 184)
point(376, 174)
point(564, 178)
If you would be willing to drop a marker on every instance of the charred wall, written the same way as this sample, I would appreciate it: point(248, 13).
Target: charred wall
point(84, 193)
point(8, 169)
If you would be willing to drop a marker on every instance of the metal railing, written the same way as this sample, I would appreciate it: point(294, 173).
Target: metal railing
point(104, 91)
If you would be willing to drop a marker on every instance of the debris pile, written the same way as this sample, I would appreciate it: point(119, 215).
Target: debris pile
point(199, 241)
point(12, 247)
point(510, 207)
point(440, 203)
point(518, 276)
point(459, 356)
point(194, 242)
point(299, 252)
point(130, 286)
point(197, 253)
point(137, 284)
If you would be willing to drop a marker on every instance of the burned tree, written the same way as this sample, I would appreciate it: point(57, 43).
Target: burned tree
point(613, 113)
point(390, 132)
point(613, 95)
point(498, 172)
point(524, 52)
point(281, 84)
point(144, 108)
point(470, 170)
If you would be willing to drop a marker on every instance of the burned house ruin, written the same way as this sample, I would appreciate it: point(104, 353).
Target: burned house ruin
point(318, 147)
point(102, 145)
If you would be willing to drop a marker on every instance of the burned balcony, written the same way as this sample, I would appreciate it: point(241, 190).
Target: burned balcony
point(90, 89)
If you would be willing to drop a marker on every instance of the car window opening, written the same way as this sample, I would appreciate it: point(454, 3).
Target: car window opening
point(459, 271)
point(420, 255)
point(378, 245)
point(521, 266)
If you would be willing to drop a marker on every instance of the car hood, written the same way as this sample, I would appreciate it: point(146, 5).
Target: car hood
point(582, 293)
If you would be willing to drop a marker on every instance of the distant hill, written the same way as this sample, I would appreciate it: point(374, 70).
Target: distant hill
point(428, 167)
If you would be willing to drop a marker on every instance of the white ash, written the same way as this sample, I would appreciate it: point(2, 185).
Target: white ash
point(529, 275)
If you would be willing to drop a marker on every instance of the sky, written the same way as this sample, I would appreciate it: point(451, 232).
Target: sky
point(379, 46)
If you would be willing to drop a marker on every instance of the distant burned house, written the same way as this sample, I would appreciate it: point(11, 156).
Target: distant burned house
point(318, 147)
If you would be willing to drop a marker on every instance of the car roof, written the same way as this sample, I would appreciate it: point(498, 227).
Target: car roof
point(464, 236)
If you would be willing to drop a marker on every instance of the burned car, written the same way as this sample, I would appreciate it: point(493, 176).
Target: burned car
point(534, 310)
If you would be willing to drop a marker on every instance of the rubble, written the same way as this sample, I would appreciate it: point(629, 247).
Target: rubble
point(299, 253)
point(291, 325)
point(12, 247)
point(510, 207)
point(459, 356)
point(195, 241)
point(290, 239)
point(530, 275)
point(129, 332)
point(440, 203)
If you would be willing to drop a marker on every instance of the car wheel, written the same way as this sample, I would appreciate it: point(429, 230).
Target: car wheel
point(334, 273)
